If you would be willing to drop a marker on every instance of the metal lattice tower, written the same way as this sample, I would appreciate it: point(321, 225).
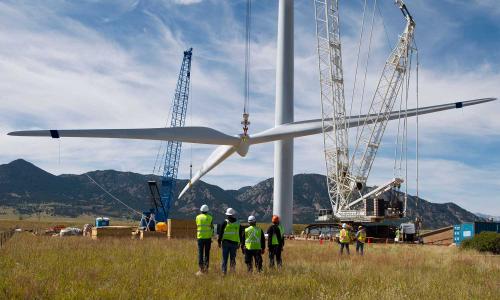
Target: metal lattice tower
point(173, 148)
point(389, 85)
point(333, 110)
point(347, 173)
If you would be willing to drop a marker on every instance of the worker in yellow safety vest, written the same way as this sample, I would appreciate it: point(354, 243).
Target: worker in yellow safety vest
point(255, 244)
point(344, 239)
point(275, 241)
point(204, 232)
point(360, 240)
point(229, 240)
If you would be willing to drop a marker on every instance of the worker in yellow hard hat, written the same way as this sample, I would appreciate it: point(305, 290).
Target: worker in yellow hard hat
point(344, 239)
point(204, 233)
point(360, 240)
point(275, 241)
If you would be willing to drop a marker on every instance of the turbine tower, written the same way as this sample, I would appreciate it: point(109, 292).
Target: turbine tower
point(283, 149)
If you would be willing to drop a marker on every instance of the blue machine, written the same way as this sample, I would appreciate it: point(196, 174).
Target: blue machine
point(161, 206)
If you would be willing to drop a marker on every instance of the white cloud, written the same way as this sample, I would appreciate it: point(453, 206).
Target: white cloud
point(59, 73)
point(187, 2)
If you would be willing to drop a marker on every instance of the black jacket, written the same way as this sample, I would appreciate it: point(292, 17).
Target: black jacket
point(274, 229)
point(223, 227)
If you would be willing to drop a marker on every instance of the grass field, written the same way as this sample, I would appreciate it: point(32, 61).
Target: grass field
point(79, 268)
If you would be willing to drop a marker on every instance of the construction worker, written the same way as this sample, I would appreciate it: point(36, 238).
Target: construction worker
point(204, 232)
point(255, 244)
point(360, 240)
point(275, 241)
point(398, 236)
point(230, 239)
point(344, 239)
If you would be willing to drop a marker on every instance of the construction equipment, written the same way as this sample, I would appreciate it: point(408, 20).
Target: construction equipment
point(347, 173)
point(161, 198)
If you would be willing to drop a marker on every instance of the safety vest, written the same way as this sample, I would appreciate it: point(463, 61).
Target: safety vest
point(275, 237)
point(232, 232)
point(204, 226)
point(397, 234)
point(344, 236)
point(252, 238)
point(362, 236)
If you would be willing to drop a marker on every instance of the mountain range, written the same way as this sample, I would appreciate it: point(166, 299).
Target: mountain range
point(29, 190)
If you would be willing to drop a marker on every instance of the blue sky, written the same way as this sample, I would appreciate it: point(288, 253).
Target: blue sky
point(114, 64)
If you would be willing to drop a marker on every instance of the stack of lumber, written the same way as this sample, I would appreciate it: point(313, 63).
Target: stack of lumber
point(183, 229)
point(142, 234)
point(441, 236)
point(112, 231)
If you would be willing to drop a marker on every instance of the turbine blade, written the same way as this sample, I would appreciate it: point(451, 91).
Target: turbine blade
point(311, 127)
point(219, 155)
point(199, 135)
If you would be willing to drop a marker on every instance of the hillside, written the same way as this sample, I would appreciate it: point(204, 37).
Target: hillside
point(28, 189)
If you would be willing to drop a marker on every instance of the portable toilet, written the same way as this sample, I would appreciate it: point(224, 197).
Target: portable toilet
point(101, 222)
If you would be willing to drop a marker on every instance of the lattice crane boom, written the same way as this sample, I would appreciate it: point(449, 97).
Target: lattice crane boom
point(173, 148)
point(333, 109)
point(347, 172)
point(389, 85)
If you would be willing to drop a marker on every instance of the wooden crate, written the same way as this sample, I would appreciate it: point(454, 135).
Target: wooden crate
point(112, 232)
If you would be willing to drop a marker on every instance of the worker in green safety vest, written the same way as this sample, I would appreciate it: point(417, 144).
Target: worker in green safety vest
point(344, 239)
point(255, 244)
point(230, 237)
point(360, 240)
point(397, 237)
point(204, 232)
point(275, 241)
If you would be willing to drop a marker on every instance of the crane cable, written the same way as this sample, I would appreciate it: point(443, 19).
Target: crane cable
point(358, 55)
point(246, 102)
point(366, 73)
point(190, 108)
point(112, 196)
point(417, 141)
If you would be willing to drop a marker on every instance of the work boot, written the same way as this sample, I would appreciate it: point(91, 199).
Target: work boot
point(199, 273)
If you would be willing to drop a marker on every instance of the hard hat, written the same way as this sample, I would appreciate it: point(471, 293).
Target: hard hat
point(360, 227)
point(344, 225)
point(230, 212)
point(251, 219)
point(204, 208)
point(275, 219)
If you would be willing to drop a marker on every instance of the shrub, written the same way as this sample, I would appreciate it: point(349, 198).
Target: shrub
point(486, 241)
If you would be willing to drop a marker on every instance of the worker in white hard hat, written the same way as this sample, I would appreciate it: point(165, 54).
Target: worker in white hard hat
point(344, 239)
point(255, 245)
point(230, 237)
point(204, 233)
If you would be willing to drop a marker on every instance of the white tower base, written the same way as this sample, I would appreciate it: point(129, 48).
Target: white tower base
point(283, 150)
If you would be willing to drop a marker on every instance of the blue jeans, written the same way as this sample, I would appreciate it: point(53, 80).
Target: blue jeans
point(359, 247)
point(204, 253)
point(229, 250)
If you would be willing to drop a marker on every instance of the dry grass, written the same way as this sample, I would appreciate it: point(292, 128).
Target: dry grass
point(78, 268)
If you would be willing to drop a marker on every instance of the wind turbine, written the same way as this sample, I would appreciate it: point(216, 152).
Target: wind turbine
point(282, 134)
